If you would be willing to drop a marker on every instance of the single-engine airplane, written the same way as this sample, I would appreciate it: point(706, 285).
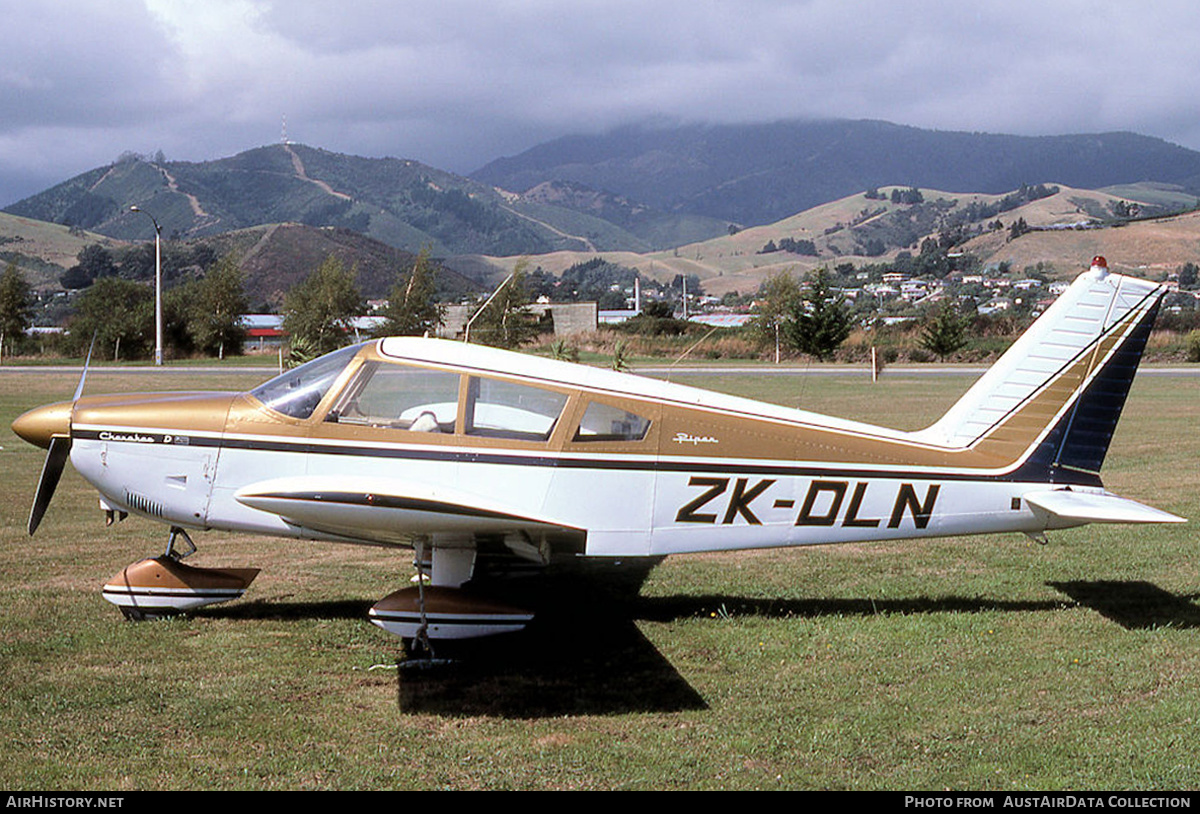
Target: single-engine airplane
point(464, 453)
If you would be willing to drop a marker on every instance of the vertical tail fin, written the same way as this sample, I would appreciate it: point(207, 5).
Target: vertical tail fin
point(1052, 401)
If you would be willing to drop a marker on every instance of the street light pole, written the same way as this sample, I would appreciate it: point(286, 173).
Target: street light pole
point(158, 327)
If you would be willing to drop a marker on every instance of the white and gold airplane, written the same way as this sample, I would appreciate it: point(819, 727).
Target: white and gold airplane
point(459, 452)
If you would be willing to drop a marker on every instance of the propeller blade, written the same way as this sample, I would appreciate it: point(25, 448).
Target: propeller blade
point(86, 364)
point(56, 456)
point(56, 459)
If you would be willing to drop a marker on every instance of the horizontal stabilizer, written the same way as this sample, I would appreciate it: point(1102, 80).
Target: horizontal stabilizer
point(1097, 507)
point(387, 510)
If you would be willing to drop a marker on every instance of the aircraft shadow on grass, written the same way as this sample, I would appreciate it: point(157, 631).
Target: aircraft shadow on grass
point(583, 655)
point(586, 655)
point(1134, 605)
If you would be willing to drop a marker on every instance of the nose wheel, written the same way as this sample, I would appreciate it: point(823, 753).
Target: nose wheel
point(176, 551)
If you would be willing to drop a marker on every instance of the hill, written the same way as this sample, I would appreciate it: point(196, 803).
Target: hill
point(274, 257)
point(42, 251)
point(758, 174)
point(862, 230)
point(277, 257)
point(652, 228)
point(402, 203)
point(1151, 248)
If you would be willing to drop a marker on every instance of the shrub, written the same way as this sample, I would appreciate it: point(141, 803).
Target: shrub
point(1193, 346)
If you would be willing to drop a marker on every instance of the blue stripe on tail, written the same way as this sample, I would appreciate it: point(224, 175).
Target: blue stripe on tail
point(1074, 449)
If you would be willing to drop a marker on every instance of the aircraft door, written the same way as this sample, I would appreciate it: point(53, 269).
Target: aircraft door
point(609, 484)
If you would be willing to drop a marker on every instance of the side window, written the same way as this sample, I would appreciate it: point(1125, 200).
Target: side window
point(603, 422)
point(401, 398)
point(502, 409)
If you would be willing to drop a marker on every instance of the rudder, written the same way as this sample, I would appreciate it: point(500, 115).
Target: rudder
point(1054, 398)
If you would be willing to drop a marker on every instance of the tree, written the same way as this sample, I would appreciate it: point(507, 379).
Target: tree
point(790, 244)
point(318, 313)
point(932, 260)
point(95, 262)
point(215, 309)
point(1192, 344)
point(776, 302)
point(945, 331)
point(119, 313)
point(505, 321)
point(874, 247)
point(820, 320)
point(16, 307)
point(1188, 275)
point(74, 278)
point(611, 301)
point(659, 309)
point(912, 195)
point(1019, 228)
point(412, 308)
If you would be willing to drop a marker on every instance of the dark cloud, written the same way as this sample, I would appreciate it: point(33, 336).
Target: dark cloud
point(458, 83)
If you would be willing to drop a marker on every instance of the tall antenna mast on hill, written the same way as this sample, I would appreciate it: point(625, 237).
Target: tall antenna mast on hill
point(283, 137)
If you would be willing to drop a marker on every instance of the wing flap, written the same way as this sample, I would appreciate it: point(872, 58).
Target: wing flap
point(388, 511)
point(1097, 507)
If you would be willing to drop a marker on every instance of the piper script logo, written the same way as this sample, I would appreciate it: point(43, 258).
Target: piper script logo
point(694, 440)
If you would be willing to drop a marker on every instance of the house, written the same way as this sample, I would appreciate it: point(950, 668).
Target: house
point(913, 290)
point(995, 306)
point(263, 330)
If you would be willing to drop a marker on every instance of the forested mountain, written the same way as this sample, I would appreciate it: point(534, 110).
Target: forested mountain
point(275, 258)
point(755, 174)
point(402, 203)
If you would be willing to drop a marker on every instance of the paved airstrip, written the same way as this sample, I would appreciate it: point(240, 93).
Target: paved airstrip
point(658, 371)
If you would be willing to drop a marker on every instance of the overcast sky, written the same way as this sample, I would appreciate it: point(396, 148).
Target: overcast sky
point(457, 83)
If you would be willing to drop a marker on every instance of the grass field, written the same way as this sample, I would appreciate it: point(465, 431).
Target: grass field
point(986, 663)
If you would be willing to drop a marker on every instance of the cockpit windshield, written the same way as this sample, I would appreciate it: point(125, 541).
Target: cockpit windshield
point(298, 392)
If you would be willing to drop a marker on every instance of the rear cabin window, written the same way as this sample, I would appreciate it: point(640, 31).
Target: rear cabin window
point(603, 422)
point(502, 409)
point(399, 397)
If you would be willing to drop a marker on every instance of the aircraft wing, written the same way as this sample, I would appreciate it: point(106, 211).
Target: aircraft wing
point(1096, 507)
point(386, 510)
